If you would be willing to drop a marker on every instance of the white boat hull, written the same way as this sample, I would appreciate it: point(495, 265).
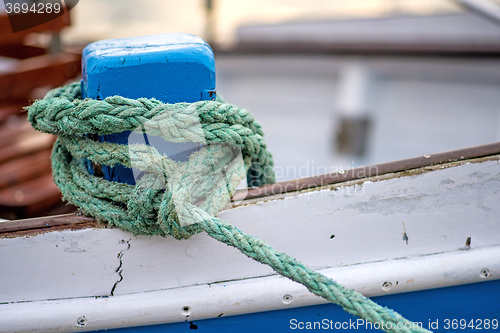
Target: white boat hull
point(389, 235)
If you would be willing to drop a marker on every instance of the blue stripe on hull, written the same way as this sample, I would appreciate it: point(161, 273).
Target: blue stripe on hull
point(439, 309)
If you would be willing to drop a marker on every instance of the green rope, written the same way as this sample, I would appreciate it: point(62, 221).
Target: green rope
point(177, 198)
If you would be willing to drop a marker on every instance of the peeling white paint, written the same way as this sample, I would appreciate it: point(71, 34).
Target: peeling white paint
point(351, 232)
point(59, 265)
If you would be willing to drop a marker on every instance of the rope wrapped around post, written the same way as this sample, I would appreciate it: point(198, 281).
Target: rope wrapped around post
point(177, 198)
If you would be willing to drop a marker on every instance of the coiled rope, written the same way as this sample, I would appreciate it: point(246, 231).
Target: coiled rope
point(177, 198)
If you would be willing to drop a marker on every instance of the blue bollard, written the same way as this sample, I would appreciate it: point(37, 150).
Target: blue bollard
point(169, 67)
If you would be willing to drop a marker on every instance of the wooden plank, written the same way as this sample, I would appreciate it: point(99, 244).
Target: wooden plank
point(34, 195)
point(21, 51)
point(6, 64)
point(9, 110)
point(46, 70)
point(24, 169)
point(11, 133)
point(26, 185)
point(31, 143)
point(30, 233)
point(30, 192)
point(44, 223)
point(8, 37)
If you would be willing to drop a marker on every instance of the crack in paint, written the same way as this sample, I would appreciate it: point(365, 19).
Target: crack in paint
point(119, 269)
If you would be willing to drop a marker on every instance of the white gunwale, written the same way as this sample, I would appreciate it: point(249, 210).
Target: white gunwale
point(350, 230)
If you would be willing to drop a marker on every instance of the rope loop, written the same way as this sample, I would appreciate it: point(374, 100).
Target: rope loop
point(232, 146)
point(173, 198)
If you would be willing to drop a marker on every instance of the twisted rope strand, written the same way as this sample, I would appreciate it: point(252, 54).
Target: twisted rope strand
point(177, 199)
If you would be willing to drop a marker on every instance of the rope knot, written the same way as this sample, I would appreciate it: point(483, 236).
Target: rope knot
point(170, 197)
point(175, 198)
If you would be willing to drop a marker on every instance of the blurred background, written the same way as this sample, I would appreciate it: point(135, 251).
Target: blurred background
point(335, 84)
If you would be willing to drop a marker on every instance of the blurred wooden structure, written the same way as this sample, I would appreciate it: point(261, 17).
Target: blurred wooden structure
point(27, 71)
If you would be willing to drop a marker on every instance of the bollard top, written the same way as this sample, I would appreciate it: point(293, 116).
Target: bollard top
point(172, 68)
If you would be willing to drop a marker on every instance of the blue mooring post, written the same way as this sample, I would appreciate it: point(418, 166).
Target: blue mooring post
point(170, 67)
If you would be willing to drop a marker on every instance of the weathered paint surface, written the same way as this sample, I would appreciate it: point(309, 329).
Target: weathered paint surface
point(468, 307)
point(352, 232)
point(171, 68)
